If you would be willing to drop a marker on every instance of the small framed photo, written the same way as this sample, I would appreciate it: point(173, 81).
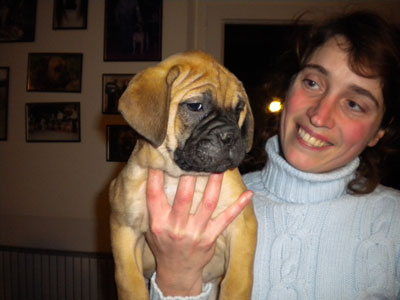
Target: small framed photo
point(113, 87)
point(133, 30)
point(4, 84)
point(70, 14)
point(121, 139)
point(54, 72)
point(17, 21)
point(53, 122)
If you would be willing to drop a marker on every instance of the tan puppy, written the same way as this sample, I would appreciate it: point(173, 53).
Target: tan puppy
point(195, 118)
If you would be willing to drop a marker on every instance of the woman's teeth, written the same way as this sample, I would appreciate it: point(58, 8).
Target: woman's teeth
point(312, 141)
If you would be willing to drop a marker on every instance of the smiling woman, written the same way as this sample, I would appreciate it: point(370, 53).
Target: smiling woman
point(370, 87)
point(326, 227)
point(331, 113)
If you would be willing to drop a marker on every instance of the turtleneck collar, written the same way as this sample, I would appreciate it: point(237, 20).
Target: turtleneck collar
point(289, 184)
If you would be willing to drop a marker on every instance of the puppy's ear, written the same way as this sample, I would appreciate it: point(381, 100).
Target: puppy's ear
point(145, 102)
point(248, 126)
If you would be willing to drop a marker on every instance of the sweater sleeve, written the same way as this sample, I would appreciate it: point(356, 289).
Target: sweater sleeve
point(156, 293)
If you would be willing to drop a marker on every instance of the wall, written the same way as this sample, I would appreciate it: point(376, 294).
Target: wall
point(54, 195)
point(211, 15)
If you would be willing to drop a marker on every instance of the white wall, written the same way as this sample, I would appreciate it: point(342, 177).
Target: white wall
point(54, 195)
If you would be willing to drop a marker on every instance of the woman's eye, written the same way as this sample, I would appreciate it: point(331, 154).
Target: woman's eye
point(354, 106)
point(311, 84)
point(195, 106)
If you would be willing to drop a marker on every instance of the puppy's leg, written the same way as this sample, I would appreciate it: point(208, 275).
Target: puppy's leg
point(238, 280)
point(128, 248)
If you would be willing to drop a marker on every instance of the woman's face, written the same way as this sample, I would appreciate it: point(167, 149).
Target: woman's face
point(331, 114)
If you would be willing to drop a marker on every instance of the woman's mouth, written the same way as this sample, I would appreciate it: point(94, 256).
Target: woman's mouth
point(310, 140)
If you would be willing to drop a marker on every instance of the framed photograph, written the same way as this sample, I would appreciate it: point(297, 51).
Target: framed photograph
point(17, 21)
point(70, 14)
point(4, 83)
point(132, 30)
point(113, 87)
point(121, 139)
point(55, 72)
point(53, 122)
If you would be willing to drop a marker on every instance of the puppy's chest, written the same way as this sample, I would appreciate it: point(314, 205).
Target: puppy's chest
point(135, 208)
point(171, 185)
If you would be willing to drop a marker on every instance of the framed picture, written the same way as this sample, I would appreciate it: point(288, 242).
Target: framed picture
point(132, 30)
point(54, 72)
point(17, 21)
point(53, 122)
point(70, 14)
point(113, 87)
point(121, 140)
point(4, 83)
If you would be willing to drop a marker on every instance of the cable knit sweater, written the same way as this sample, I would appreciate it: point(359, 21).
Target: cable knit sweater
point(315, 241)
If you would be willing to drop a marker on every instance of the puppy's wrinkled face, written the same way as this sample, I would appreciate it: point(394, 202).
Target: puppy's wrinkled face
point(193, 112)
point(210, 137)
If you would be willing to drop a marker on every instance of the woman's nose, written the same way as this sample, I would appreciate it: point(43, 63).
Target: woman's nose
point(321, 113)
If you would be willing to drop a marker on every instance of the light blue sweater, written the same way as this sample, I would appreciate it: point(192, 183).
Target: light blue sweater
point(315, 241)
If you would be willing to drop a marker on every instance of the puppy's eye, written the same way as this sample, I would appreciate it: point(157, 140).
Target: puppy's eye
point(240, 107)
point(195, 106)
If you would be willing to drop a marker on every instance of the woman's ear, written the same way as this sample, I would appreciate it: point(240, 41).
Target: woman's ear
point(376, 138)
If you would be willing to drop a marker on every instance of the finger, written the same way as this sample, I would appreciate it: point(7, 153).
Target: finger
point(157, 202)
point(183, 199)
point(210, 200)
point(221, 222)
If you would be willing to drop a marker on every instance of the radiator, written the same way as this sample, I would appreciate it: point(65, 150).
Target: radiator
point(59, 275)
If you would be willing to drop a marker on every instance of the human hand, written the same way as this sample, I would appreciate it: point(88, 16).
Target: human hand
point(183, 243)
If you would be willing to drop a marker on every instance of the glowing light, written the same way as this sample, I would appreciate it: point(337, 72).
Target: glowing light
point(275, 105)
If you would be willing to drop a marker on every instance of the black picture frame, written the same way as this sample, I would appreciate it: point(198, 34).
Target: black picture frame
point(70, 14)
point(54, 72)
point(53, 122)
point(121, 139)
point(18, 21)
point(4, 86)
point(113, 85)
point(133, 30)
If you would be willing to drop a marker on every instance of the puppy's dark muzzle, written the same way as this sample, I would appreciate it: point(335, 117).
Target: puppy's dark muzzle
point(215, 145)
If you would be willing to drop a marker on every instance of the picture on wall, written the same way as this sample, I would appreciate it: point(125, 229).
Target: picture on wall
point(17, 21)
point(4, 84)
point(132, 30)
point(53, 122)
point(70, 14)
point(121, 140)
point(54, 72)
point(113, 87)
